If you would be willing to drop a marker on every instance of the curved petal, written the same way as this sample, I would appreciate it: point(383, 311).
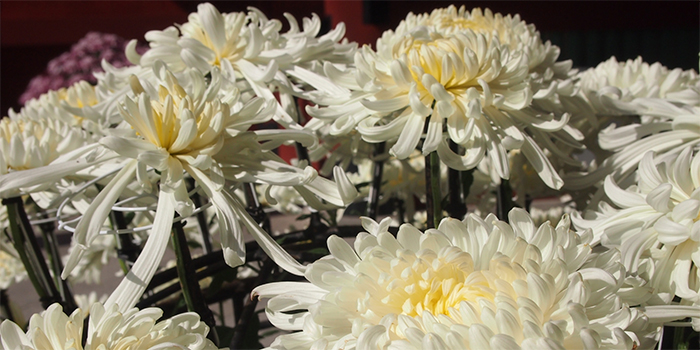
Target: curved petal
point(541, 164)
point(129, 291)
point(90, 224)
point(409, 137)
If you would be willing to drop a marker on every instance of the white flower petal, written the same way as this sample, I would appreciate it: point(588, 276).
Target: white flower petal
point(129, 291)
point(670, 232)
point(408, 140)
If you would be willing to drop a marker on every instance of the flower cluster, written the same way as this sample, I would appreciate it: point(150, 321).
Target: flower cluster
point(454, 111)
point(107, 329)
point(79, 64)
point(476, 284)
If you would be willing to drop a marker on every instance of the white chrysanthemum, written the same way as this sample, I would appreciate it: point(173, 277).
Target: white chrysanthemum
point(249, 42)
point(463, 80)
point(477, 284)
point(667, 136)
point(511, 31)
point(78, 106)
point(612, 86)
point(657, 217)
point(28, 144)
point(666, 101)
point(246, 46)
point(48, 130)
point(176, 125)
point(108, 329)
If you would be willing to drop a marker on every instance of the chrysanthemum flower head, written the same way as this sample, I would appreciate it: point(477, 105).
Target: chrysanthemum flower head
point(107, 329)
point(476, 284)
point(659, 216)
point(612, 86)
point(462, 80)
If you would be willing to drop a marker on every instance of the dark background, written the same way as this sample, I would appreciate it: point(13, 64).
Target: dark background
point(34, 32)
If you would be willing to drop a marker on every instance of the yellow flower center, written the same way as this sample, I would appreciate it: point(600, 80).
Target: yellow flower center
point(478, 24)
point(180, 123)
point(461, 73)
point(439, 284)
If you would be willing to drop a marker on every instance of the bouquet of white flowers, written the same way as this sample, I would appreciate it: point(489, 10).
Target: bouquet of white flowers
point(461, 129)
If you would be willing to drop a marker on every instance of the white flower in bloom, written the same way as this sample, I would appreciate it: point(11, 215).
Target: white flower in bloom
point(464, 80)
point(667, 102)
point(28, 145)
point(612, 86)
point(108, 328)
point(656, 217)
point(40, 133)
point(510, 30)
point(477, 284)
point(666, 136)
point(182, 125)
point(249, 42)
point(246, 46)
point(78, 106)
point(175, 131)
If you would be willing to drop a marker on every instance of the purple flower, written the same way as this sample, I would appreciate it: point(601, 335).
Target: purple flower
point(84, 59)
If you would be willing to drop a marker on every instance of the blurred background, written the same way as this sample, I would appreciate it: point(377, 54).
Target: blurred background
point(34, 32)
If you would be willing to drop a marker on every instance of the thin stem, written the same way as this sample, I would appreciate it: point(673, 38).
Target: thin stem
point(194, 298)
point(315, 216)
point(432, 189)
point(303, 155)
point(679, 339)
point(467, 178)
point(456, 208)
point(254, 208)
point(5, 305)
point(505, 200)
point(25, 243)
point(375, 189)
point(127, 250)
point(401, 211)
point(249, 309)
point(222, 319)
point(64, 289)
point(202, 223)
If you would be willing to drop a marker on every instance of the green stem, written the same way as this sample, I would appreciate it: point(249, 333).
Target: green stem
point(194, 298)
point(29, 253)
point(467, 178)
point(375, 189)
point(680, 341)
point(51, 243)
point(202, 224)
point(505, 200)
point(432, 189)
point(457, 207)
point(248, 311)
point(5, 305)
point(127, 250)
point(401, 211)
